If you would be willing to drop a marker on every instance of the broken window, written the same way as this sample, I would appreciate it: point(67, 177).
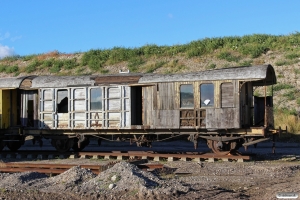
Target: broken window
point(207, 95)
point(62, 101)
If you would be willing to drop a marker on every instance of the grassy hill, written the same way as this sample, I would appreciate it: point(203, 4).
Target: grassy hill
point(283, 52)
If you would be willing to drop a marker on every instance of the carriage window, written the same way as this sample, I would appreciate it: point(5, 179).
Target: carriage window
point(227, 95)
point(62, 101)
point(186, 96)
point(96, 99)
point(207, 94)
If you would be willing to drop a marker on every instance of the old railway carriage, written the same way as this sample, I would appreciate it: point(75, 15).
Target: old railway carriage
point(218, 106)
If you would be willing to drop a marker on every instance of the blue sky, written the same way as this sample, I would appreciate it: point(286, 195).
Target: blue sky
point(69, 26)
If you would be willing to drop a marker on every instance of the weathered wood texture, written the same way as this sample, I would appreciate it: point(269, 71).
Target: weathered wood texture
point(115, 111)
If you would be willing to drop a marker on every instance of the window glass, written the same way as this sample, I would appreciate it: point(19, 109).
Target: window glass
point(62, 101)
point(186, 96)
point(96, 99)
point(207, 95)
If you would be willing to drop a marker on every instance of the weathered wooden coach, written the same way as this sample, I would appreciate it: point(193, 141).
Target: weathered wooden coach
point(218, 106)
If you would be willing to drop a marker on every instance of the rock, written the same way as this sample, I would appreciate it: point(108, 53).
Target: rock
point(111, 186)
point(114, 178)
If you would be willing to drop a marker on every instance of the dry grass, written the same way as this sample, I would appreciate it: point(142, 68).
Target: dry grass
point(52, 54)
point(292, 122)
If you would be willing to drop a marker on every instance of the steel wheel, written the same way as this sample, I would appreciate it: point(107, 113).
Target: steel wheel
point(15, 145)
point(221, 148)
point(62, 145)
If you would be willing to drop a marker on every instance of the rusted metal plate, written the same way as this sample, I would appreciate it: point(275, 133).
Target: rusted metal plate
point(129, 79)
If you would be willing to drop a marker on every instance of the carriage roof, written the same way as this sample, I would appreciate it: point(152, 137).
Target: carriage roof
point(260, 75)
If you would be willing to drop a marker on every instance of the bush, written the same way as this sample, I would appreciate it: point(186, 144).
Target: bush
point(56, 67)
point(152, 68)
point(211, 66)
point(290, 95)
point(292, 56)
point(254, 50)
point(3, 68)
point(32, 66)
point(246, 63)
point(48, 63)
point(225, 55)
point(135, 63)
point(12, 69)
point(281, 62)
point(281, 86)
point(70, 64)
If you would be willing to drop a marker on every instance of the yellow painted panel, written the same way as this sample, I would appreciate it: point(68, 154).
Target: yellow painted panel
point(5, 108)
point(14, 108)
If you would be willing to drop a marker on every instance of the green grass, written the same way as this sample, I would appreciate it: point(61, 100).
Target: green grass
point(281, 86)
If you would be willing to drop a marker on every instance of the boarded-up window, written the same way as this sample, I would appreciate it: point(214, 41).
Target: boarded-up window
point(96, 99)
point(226, 95)
point(207, 95)
point(186, 96)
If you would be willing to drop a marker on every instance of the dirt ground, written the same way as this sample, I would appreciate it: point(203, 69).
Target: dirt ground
point(261, 178)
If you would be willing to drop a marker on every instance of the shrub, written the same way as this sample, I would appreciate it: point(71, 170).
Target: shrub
point(292, 56)
point(290, 95)
point(95, 64)
point(32, 66)
point(12, 69)
point(48, 63)
point(246, 63)
point(152, 68)
point(134, 63)
point(254, 50)
point(225, 55)
point(211, 66)
point(70, 64)
point(281, 62)
point(3, 68)
point(281, 86)
point(56, 67)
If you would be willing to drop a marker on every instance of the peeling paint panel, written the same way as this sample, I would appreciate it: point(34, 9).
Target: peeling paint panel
point(48, 94)
point(79, 105)
point(114, 104)
point(79, 116)
point(113, 116)
point(113, 92)
point(63, 120)
point(48, 106)
point(47, 117)
point(79, 93)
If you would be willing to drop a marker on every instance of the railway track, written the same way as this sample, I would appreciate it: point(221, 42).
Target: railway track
point(122, 155)
point(139, 158)
point(54, 169)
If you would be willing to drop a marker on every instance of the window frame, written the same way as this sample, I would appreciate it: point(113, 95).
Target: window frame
point(209, 105)
point(188, 106)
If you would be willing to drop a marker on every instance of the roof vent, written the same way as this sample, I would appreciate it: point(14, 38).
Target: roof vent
point(124, 72)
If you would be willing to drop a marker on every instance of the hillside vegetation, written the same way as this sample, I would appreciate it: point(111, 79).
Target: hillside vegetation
point(282, 52)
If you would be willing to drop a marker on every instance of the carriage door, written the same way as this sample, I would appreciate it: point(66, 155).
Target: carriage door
point(29, 117)
point(116, 112)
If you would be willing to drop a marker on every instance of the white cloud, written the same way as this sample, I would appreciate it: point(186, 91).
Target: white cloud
point(16, 38)
point(6, 51)
point(5, 36)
